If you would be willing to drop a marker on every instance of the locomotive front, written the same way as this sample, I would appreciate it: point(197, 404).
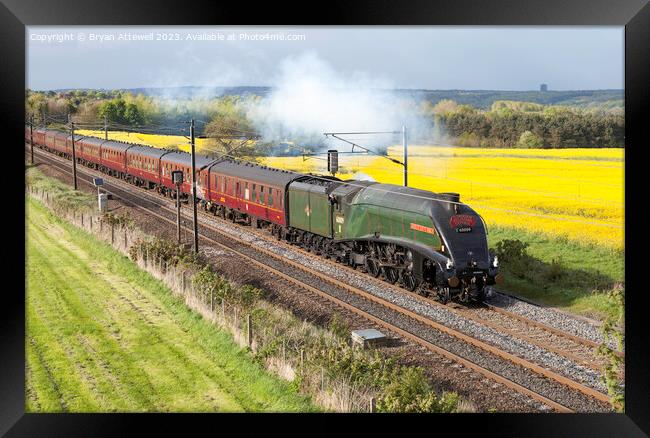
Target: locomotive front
point(469, 267)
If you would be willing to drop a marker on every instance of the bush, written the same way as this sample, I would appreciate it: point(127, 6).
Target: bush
point(529, 140)
point(512, 252)
point(338, 326)
point(166, 250)
point(411, 392)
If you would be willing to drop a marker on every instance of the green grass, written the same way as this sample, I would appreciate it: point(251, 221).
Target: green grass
point(586, 273)
point(59, 192)
point(103, 336)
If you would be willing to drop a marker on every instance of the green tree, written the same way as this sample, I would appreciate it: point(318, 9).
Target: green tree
point(132, 115)
point(529, 140)
point(232, 132)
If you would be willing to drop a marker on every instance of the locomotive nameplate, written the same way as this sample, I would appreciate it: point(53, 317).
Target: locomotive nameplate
point(462, 221)
point(422, 228)
point(463, 229)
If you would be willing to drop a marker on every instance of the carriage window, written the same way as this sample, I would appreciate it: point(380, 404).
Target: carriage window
point(254, 198)
point(262, 195)
point(270, 196)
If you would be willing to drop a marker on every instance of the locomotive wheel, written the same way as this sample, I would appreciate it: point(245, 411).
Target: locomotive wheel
point(410, 282)
point(391, 274)
point(372, 267)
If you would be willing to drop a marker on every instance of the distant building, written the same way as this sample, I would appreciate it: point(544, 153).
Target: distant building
point(543, 87)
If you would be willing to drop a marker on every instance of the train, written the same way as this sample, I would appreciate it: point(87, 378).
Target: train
point(429, 243)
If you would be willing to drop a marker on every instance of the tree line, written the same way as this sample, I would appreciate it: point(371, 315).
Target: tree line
point(529, 125)
point(506, 124)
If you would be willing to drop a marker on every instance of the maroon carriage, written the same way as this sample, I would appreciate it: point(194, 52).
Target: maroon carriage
point(143, 164)
point(55, 141)
point(251, 189)
point(183, 161)
point(88, 150)
point(113, 157)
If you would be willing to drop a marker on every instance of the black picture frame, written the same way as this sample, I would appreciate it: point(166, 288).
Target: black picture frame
point(633, 14)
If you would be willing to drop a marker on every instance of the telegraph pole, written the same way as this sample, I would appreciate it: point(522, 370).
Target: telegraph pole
point(74, 153)
point(177, 178)
point(105, 127)
point(178, 212)
point(406, 157)
point(196, 225)
point(31, 135)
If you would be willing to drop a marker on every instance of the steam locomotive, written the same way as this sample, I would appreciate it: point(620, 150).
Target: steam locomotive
point(430, 243)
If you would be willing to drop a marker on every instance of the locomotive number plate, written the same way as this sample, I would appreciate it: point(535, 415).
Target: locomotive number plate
point(463, 229)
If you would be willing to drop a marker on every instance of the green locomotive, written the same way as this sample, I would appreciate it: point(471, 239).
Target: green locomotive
point(428, 242)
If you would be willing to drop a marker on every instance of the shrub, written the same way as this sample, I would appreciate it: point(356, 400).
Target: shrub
point(613, 363)
point(411, 392)
point(512, 252)
point(338, 326)
point(528, 140)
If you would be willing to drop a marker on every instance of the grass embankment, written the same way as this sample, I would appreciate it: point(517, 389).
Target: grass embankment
point(575, 277)
point(102, 335)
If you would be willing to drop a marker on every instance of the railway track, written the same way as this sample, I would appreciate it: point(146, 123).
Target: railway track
point(577, 349)
point(546, 386)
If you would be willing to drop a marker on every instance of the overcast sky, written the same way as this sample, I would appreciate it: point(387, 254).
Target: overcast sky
point(495, 58)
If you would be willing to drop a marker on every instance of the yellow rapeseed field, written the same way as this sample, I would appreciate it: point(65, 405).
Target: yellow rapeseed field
point(576, 194)
point(573, 193)
point(160, 141)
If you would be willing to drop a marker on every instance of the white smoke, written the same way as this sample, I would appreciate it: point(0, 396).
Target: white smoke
point(309, 98)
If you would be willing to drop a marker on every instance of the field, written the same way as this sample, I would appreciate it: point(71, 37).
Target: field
point(104, 336)
point(574, 194)
point(160, 141)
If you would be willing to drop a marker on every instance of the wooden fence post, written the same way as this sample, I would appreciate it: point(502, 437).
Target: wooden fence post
point(82, 220)
point(373, 405)
point(249, 330)
point(112, 233)
point(126, 243)
point(212, 299)
point(183, 281)
point(223, 308)
point(322, 379)
point(302, 361)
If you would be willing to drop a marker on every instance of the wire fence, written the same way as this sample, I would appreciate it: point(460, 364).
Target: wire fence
point(290, 358)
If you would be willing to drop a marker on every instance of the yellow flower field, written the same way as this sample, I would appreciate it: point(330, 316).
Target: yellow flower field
point(577, 194)
point(159, 141)
point(574, 193)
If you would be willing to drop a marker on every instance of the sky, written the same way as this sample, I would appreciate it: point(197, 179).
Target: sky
point(427, 57)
